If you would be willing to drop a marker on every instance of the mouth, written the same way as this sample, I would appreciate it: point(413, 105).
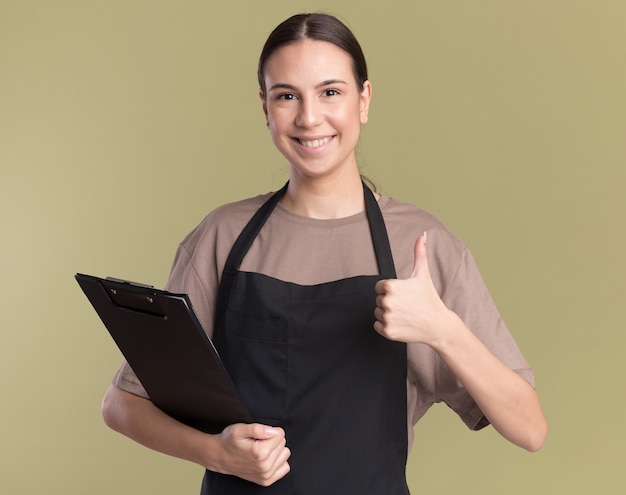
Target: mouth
point(314, 143)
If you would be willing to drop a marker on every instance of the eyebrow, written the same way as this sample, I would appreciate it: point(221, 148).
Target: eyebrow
point(328, 82)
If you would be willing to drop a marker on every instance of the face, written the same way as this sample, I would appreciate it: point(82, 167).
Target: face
point(314, 108)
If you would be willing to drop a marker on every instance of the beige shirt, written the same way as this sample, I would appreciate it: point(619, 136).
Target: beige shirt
point(309, 251)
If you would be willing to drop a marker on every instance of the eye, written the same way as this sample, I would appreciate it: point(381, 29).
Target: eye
point(330, 92)
point(286, 96)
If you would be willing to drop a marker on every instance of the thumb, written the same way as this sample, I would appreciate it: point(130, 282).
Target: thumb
point(258, 431)
point(420, 265)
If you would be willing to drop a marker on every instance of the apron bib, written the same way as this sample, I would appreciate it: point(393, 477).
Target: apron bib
point(307, 359)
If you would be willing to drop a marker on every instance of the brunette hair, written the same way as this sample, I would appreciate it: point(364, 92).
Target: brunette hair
point(319, 27)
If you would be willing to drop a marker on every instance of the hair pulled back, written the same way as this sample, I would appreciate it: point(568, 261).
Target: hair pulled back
point(318, 27)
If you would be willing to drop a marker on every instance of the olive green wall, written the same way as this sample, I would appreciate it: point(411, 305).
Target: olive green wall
point(122, 123)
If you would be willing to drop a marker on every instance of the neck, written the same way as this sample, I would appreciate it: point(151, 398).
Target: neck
point(325, 198)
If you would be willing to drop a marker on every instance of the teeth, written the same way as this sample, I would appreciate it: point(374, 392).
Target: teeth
point(315, 143)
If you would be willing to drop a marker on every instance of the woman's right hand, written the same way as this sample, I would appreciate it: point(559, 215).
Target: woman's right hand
point(254, 452)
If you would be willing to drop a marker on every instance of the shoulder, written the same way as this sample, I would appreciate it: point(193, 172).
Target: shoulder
point(396, 210)
point(405, 222)
point(200, 257)
point(223, 224)
point(402, 215)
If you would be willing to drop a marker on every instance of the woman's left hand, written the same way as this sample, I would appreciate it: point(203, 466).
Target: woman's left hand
point(410, 310)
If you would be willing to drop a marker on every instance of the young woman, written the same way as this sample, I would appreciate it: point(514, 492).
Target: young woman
point(338, 322)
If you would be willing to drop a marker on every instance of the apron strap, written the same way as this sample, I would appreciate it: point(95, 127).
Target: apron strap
point(251, 230)
point(380, 239)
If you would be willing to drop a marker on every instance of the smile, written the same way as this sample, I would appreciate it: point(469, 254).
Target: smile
point(314, 143)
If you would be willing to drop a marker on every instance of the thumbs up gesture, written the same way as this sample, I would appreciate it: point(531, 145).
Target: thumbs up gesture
point(410, 310)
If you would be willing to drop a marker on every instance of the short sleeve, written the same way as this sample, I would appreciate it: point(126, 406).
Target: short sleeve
point(183, 279)
point(126, 379)
point(467, 295)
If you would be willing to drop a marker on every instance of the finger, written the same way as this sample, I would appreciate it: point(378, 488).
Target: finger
point(267, 452)
point(379, 288)
point(283, 465)
point(379, 327)
point(420, 265)
point(380, 301)
point(274, 465)
point(379, 314)
point(279, 470)
point(282, 471)
point(282, 456)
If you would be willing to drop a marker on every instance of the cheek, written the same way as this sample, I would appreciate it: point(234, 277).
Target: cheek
point(352, 119)
point(277, 130)
point(278, 118)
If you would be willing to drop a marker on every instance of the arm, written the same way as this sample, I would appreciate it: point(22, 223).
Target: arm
point(507, 400)
point(254, 452)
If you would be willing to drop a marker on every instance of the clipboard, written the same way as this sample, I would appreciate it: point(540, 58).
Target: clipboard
point(162, 339)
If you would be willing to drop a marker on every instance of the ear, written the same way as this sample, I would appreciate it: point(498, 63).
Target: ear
point(264, 102)
point(365, 98)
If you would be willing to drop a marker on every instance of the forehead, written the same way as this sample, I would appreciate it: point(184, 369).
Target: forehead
point(308, 61)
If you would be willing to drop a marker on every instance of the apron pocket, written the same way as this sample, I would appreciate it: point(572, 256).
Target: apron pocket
point(254, 352)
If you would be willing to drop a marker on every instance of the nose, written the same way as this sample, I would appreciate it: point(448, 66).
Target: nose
point(309, 113)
